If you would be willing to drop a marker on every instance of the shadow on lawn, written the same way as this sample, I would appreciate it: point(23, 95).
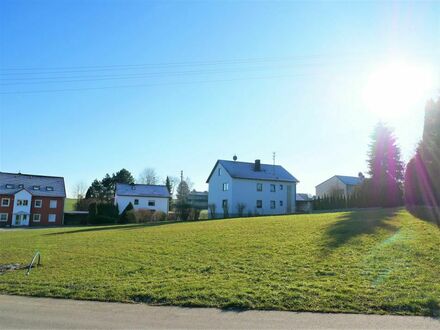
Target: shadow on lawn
point(353, 224)
point(111, 227)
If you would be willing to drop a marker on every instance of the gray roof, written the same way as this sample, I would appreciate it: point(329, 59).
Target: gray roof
point(350, 180)
point(303, 197)
point(242, 170)
point(18, 181)
point(142, 190)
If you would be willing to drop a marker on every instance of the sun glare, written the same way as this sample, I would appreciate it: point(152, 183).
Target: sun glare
point(398, 88)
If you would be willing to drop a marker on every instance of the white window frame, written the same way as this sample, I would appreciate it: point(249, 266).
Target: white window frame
point(261, 204)
point(49, 188)
point(25, 202)
point(281, 187)
point(259, 187)
point(54, 217)
point(136, 201)
point(34, 217)
point(38, 206)
point(7, 216)
point(19, 202)
point(6, 199)
point(36, 187)
point(51, 204)
point(225, 186)
point(273, 188)
point(152, 202)
point(273, 204)
point(9, 186)
point(225, 203)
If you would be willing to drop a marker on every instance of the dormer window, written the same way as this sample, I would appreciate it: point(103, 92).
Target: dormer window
point(20, 186)
point(9, 186)
point(49, 188)
point(36, 187)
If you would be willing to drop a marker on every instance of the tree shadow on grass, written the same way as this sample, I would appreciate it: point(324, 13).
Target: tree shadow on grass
point(357, 223)
point(110, 227)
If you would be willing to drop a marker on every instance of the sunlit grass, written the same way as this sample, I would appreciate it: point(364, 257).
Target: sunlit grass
point(376, 261)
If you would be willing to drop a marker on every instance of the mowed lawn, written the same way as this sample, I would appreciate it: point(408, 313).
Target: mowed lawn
point(373, 261)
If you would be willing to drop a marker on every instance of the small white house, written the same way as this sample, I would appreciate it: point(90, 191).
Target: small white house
point(142, 196)
point(240, 188)
point(339, 185)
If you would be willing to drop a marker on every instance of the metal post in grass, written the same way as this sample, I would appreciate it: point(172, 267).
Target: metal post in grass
point(37, 254)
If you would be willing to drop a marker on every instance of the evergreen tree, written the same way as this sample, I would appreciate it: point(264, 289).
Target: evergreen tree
point(123, 176)
point(168, 184)
point(385, 168)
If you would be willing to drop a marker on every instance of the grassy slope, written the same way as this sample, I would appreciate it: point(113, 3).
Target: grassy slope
point(69, 204)
point(369, 261)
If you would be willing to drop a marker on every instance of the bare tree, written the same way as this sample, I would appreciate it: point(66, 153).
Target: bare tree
point(148, 176)
point(174, 180)
point(79, 190)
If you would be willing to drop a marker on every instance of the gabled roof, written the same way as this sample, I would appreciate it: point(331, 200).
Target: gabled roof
point(347, 180)
point(243, 170)
point(303, 198)
point(19, 181)
point(350, 180)
point(141, 190)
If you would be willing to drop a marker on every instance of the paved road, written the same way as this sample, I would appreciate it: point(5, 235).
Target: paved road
point(44, 313)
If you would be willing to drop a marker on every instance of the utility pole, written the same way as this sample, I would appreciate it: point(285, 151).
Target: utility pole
point(273, 158)
point(181, 176)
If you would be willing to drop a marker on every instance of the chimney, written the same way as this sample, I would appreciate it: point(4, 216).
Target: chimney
point(257, 166)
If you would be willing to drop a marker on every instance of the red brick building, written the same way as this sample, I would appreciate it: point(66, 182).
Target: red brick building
point(31, 200)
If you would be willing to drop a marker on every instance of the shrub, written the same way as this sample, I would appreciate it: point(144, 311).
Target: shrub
point(194, 214)
point(125, 217)
point(143, 215)
point(102, 220)
point(159, 216)
point(203, 215)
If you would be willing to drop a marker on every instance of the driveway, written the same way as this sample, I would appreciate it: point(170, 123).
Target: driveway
point(45, 313)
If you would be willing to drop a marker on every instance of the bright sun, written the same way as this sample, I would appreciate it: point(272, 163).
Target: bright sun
point(398, 88)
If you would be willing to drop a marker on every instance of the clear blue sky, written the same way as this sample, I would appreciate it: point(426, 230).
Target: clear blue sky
point(89, 87)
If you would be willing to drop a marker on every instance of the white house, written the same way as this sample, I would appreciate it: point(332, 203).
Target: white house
point(142, 196)
point(339, 185)
point(239, 188)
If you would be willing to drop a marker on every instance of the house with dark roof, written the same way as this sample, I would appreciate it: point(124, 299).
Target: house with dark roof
point(242, 188)
point(142, 196)
point(31, 200)
point(339, 185)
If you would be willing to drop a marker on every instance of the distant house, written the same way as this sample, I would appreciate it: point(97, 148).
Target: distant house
point(31, 200)
point(198, 200)
point(304, 203)
point(339, 185)
point(240, 188)
point(142, 196)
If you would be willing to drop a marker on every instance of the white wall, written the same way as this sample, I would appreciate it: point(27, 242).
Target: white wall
point(326, 188)
point(161, 203)
point(22, 195)
point(245, 191)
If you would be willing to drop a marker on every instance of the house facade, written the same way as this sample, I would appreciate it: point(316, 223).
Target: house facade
point(142, 197)
point(339, 185)
point(242, 188)
point(31, 200)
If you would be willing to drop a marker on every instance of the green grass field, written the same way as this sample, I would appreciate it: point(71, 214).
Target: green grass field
point(69, 204)
point(374, 261)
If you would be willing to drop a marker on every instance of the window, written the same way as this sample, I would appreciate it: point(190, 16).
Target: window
point(225, 203)
point(49, 188)
point(136, 202)
point(259, 187)
point(281, 203)
point(259, 204)
point(281, 187)
point(272, 204)
point(20, 186)
point(36, 187)
point(52, 217)
point(19, 202)
point(219, 171)
point(38, 203)
point(25, 202)
point(272, 188)
point(151, 203)
point(9, 186)
point(3, 217)
point(53, 204)
point(225, 186)
point(37, 217)
point(5, 201)
point(22, 202)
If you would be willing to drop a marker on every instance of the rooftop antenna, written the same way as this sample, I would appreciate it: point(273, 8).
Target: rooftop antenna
point(273, 158)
